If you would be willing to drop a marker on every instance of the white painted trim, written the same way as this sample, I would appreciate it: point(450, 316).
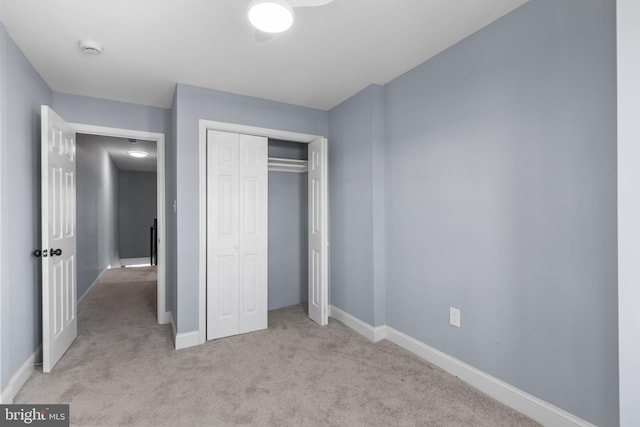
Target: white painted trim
point(374, 334)
point(531, 406)
point(20, 377)
point(165, 318)
point(161, 232)
point(116, 132)
point(203, 126)
point(536, 409)
point(135, 261)
point(259, 131)
point(185, 339)
point(202, 224)
point(159, 138)
point(90, 288)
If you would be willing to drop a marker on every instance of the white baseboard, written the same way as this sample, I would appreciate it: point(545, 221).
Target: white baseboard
point(374, 334)
point(90, 288)
point(165, 318)
point(135, 261)
point(536, 409)
point(184, 339)
point(187, 339)
point(20, 377)
point(531, 406)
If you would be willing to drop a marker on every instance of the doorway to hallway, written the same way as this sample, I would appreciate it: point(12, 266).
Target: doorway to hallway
point(60, 227)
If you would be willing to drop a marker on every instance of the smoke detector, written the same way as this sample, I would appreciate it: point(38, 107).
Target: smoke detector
point(90, 47)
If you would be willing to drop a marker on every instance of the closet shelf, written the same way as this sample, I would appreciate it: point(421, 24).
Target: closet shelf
point(287, 165)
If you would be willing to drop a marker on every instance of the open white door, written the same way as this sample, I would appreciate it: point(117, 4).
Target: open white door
point(59, 319)
point(318, 232)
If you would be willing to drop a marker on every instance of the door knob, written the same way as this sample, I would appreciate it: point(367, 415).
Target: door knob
point(38, 253)
point(55, 252)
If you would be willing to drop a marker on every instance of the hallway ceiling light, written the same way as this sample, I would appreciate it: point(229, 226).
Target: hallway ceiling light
point(138, 153)
point(271, 16)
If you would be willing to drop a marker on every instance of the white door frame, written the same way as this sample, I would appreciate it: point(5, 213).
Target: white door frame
point(162, 315)
point(205, 125)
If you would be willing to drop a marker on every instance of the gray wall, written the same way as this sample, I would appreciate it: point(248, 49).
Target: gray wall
point(96, 211)
point(501, 201)
point(137, 209)
point(288, 283)
point(288, 227)
point(288, 150)
point(628, 12)
point(356, 191)
point(194, 104)
point(23, 91)
point(103, 112)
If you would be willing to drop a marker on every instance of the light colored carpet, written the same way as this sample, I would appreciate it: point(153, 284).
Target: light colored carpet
point(122, 370)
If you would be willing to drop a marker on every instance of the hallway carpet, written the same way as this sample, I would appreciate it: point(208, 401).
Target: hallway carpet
point(122, 370)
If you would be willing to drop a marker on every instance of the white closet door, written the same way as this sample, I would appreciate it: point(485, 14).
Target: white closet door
point(222, 234)
point(318, 232)
point(236, 234)
point(253, 234)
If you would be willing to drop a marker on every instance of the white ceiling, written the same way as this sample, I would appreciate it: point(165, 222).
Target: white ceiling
point(118, 149)
point(330, 53)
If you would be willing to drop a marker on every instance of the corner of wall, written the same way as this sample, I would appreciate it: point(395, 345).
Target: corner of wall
point(20, 377)
point(378, 204)
point(183, 339)
point(531, 406)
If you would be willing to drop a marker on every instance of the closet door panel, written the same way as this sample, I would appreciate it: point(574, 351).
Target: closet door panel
point(318, 232)
point(222, 235)
point(253, 226)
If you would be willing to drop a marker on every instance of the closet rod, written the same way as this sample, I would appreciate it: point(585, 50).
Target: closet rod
point(287, 165)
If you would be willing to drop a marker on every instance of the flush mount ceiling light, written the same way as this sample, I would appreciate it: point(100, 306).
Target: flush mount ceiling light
point(271, 16)
point(138, 154)
point(90, 47)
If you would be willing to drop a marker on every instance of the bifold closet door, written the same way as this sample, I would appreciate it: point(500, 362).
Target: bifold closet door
point(318, 232)
point(236, 234)
point(253, 233)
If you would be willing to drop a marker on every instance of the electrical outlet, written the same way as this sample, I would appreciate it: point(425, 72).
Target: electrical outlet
point(454, 317)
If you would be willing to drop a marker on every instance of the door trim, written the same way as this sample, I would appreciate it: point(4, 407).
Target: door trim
point(163, 315)
point(204, 126)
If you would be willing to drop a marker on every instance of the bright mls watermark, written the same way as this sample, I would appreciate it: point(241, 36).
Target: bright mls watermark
point(34, 415)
